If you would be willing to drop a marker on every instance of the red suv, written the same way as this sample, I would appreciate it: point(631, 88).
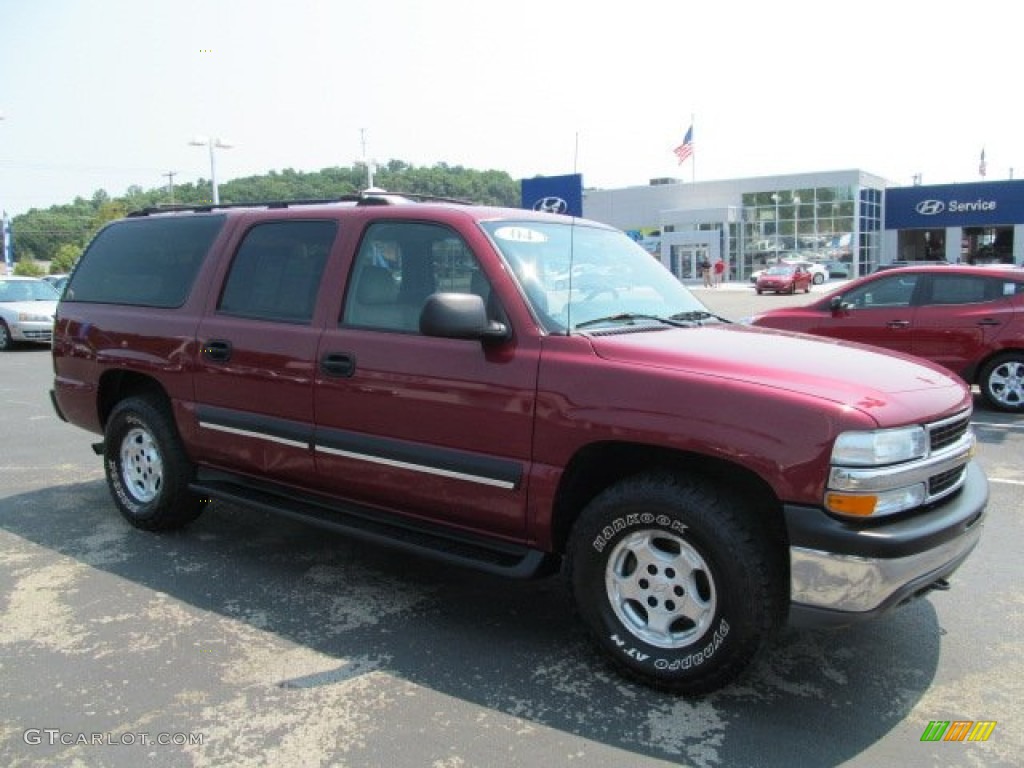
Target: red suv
point(968, 319)
point(517, 392)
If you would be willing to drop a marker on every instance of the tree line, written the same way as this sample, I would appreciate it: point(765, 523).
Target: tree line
point(58, 234)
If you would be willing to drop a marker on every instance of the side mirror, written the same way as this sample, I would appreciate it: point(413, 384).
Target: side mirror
point(836, 304)
point(459, 316)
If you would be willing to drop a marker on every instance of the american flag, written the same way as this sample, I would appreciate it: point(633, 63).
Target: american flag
point(685, 149)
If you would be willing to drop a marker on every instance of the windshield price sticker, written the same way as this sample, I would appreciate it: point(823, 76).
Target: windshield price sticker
point(520, 235)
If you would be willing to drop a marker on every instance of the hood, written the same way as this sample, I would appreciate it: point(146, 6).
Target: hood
point(41, 307)
point(845, 373)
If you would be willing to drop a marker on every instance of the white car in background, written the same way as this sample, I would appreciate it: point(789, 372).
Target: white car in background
point(27, 307)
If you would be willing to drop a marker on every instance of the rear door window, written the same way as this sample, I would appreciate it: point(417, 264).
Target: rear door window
point(276, 273)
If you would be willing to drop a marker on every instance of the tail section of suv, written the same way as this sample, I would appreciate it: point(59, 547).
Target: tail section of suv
point(517, 392)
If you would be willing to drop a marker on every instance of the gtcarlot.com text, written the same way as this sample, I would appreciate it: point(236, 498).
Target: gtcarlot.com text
point(55, 736)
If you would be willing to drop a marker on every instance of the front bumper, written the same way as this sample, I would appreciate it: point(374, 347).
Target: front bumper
point(842, 572)
point(36, 332)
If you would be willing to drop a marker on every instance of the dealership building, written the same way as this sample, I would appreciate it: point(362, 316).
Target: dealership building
point(852, 218)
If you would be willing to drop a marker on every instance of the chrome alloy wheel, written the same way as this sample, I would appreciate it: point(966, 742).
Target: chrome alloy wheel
point(1006, 383)
point(660, 588)
point(142, 468)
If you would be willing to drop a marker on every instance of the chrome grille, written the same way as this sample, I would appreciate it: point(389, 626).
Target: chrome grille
point(945, 481)
point(944, 433)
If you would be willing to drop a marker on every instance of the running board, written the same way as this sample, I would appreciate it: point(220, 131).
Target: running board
point(435, 542)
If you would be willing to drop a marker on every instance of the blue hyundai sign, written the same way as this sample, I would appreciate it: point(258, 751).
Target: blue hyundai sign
point(554, 194)
point(982, 204)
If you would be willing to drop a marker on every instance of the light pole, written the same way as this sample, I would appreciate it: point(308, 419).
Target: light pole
point(212, 143)
point(796, 223)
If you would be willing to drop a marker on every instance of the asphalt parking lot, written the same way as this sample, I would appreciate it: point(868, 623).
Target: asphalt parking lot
point(252, 640)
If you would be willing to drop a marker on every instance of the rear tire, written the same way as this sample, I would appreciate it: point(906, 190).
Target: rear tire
point(147, 470)
point(676, 581)
point(1001, 382)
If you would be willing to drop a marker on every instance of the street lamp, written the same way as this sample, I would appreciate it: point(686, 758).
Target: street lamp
point(212, 143)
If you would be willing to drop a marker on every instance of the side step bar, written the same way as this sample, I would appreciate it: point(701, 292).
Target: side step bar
point(457, 548)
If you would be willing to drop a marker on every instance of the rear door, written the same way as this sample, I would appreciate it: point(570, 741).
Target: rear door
point(959, 318)
point(439, 429)
point(254, 378)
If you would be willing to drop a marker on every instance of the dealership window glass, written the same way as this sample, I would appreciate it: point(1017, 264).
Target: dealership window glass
point(276, 272)
point(150, 262)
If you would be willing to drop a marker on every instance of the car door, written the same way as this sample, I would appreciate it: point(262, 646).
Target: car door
point(436, 428)
point(959, 317)
point(878, 312)
point(254, 377)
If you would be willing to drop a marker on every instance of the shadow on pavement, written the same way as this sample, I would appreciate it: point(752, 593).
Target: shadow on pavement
point(512, 647)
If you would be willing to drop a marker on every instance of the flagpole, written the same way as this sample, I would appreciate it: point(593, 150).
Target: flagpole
point(693, 156)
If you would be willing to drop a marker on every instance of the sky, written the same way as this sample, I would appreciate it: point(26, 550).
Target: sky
point(106, 94)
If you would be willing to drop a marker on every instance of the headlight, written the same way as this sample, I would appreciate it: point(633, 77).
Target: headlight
point(879, 448)
point(29, 317)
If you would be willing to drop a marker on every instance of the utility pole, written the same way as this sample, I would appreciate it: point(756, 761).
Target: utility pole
point(368, 163)
point(170, 183)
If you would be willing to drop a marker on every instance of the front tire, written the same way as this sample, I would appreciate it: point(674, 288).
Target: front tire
point(676, 581)
point(147, 470)
point(1001, 382)
point(6, 342)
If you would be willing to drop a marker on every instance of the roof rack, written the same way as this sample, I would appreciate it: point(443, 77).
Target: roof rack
point(366, 197)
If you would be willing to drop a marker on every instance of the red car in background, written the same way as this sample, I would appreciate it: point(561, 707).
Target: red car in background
point(784, 278)
point(968, 319)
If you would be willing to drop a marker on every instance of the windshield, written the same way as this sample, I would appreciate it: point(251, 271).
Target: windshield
point(783, 270)
point(27, 290)
point(577, 275)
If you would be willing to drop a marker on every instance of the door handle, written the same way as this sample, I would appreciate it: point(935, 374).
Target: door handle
point(897, 324)
point(217, 350)
point(988, 321)
point(338, 364)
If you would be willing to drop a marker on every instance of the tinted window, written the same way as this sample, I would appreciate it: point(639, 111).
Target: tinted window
point(149, 262)
point(964, 289)
point(398, 265)
point(276, 273)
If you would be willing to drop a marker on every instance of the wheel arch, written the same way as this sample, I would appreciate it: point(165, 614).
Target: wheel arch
point(115, 386)
point(973, 374)
point(599, 466)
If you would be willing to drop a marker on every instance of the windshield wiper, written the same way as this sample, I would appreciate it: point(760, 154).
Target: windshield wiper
point(696, 316)
point(631, 317)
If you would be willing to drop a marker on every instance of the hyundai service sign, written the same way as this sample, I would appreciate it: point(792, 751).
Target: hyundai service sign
point(554, 194)
point(984, 204)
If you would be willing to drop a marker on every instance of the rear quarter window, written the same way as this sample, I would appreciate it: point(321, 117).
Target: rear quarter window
point(144, 262)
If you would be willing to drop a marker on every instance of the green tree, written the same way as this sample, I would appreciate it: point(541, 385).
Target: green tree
point(41, 234)
point(65, 258)
point(29, 268)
